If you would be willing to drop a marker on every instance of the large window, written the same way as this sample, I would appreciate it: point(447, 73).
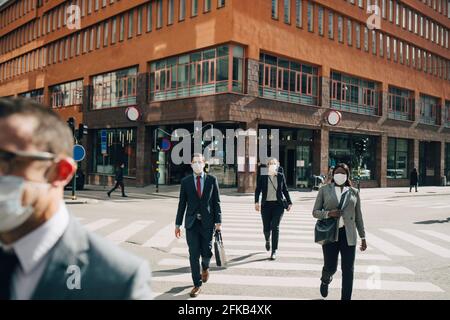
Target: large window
point(115, 89)
point(401, 104)
point(354, 94)
point(342, 150)
point(288, 80)
point(111, 148)
point(429, 110)
point(36, 95)
point(398, 158)
point(67, 94)
point(199, 73)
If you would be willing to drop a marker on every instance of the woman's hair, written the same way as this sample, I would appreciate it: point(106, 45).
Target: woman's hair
point(348, 183)
point(272, 159)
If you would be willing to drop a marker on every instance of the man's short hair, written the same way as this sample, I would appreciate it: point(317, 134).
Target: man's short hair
point(52, 134)
point(198, 155)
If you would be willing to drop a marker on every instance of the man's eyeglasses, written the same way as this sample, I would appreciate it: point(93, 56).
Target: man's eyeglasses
point(38, 155)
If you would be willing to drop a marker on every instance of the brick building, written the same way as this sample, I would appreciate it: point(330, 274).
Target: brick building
point(241, 64)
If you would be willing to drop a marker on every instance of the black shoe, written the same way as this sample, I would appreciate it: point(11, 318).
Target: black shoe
point(124, 196)
point(273, 256)
point(268, 245)
point(109, 194)
point(324, 289)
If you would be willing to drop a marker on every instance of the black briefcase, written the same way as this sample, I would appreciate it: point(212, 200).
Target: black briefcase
point(325, 231)
point(219, 250)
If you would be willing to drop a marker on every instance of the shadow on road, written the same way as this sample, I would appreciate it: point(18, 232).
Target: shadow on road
point(433, 221)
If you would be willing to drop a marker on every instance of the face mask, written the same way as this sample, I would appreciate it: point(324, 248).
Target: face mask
point(12, 213)
point(340, 178)
point(273, 168)
point(197, 168)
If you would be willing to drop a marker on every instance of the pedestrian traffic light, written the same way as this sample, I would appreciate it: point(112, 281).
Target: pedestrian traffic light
point(82, 130)
point(71, 124)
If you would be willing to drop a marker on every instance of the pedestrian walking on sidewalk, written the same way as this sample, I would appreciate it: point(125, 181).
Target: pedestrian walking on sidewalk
point(340, 194)
point(200, 202)
point(119, 181)
point(413, 180)
point(275, 199)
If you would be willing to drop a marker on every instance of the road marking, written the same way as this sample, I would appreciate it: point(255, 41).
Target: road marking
point(259, 229)
point(98, 224)
point(440, 206)
point(127, 232)
point(438, 250)
point(283, 226)
point(435, 234)
point(79, 219)
point(285, 254)
point(291, 266)
point(258, 219)
point(185, 295)
point(162, 239)
point(242, 243)
point(301, 282)
point(385, 246)
point(261, 236)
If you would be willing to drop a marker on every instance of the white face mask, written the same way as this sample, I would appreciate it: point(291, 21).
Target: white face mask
point(273, 169)
point(340, 178)
point(12, 213)
point(198, 167)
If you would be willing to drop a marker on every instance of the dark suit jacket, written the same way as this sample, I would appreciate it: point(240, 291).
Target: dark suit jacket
point(413, 179)
point(263, 183)
point(106, 271)
point(119, 174)
point(208, 205)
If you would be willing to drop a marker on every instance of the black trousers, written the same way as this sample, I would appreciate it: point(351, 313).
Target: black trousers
point(411, 186)
point(199, 241)
point(272, 213)
point(118, 184)
point(330, 256)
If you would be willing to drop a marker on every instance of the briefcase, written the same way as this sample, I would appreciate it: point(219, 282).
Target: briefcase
point(219, 250)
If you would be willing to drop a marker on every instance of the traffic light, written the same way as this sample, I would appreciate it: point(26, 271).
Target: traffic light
point(82, 130)
point(71, 124)
point(361, 146)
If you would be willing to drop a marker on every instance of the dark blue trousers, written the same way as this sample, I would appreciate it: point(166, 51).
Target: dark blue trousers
point(199, 241)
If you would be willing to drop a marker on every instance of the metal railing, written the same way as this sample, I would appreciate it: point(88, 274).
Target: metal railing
point(400, 107)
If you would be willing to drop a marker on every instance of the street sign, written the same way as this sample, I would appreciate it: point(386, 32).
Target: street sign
point(79, 153)
point(104, 136)
point(166, 145)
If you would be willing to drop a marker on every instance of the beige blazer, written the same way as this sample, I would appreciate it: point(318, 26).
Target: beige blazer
point(327, 200)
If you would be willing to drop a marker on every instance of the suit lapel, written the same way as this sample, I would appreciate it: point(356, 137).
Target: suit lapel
point(70, 250)
point(206, 185)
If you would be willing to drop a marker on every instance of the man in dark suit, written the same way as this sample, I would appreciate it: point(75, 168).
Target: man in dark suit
point(44, 252)
point(200, 203)
point(119, 181)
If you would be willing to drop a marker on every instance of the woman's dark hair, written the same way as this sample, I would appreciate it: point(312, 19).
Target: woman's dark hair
point(348, 183)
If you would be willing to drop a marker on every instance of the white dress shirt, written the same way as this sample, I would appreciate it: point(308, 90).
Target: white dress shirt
point(339, 193)
point(33, 253)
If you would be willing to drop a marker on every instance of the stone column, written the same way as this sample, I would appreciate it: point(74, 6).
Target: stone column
point(247, 179)
point(382, 150)
point(321, 142)
point(252, 77)
point(143, 156)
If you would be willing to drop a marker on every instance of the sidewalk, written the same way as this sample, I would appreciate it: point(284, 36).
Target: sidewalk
point(304, 194)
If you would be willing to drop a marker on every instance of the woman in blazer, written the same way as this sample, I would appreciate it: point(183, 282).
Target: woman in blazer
point(350, 220)
point(272, 184)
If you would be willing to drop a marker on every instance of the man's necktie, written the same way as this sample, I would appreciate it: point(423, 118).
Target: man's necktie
point(8, 263)
point(199, 187)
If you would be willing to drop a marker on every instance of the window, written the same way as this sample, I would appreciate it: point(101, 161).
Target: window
point(159, 19)
point(122, 27)
point(330, 25)
point(320, 17)
point(274, 8)
point(220, 3)
point(366, 39)
point(115, 89)
point(200, 73)
point(207, 4)
point(381, 45)
point(429, 110)
point(394, 47)
point(299, 13)
point(340, 29)
point(170, 11)
point(358, 35)
point(130, 24)
point(397, 158)
point(149, 16)
point(182, 10)
point(310, 17)
point(194, 7)
point(105, 34)
point(113, 30)
point(349, 32)
point(374, 42)
point(99, 36)
point(287, 11)
point(91, 40)
point(391, 10)
point(139, 21)
point(67, 94)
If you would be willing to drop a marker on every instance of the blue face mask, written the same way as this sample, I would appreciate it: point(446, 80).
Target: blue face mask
point(12, 212)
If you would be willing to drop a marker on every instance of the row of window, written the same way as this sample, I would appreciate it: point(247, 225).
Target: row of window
point(408, 19)
point(55, 19)
point(17, 10)
point(442, 6)
point(358, 35)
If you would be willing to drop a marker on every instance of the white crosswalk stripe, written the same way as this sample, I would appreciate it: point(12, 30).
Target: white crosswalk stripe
point(127, 232)
point(435, 234)
point(163, 296)
point(98, 224)
point(162, 239)
point(386, 246)
point(438, 250)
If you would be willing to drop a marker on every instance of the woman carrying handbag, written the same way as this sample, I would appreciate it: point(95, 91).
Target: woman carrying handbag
point(338, 210)
point(275, 199)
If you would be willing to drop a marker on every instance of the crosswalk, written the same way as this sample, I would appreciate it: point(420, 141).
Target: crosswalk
point(410, 202)
point(296, 272)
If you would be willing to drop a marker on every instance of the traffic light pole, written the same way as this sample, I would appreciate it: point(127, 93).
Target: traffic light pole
point(74, 184)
